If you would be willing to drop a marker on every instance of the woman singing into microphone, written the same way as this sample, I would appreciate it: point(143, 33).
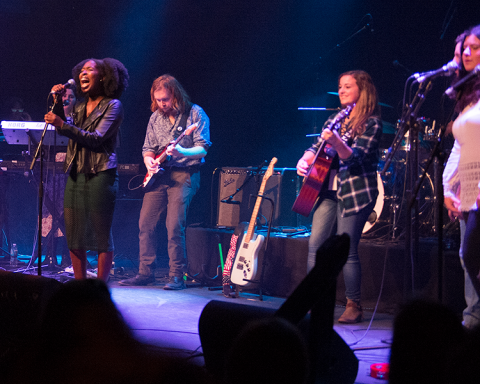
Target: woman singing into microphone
point(464, 159)
point(92, 185)
point(350, 190)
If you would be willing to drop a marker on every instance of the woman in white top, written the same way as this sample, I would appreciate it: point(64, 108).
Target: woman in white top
point(465, 156)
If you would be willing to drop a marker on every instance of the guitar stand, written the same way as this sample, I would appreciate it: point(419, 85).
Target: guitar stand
point(264, 261)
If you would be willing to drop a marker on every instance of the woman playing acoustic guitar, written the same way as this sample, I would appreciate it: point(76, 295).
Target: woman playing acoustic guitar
point(348, 194)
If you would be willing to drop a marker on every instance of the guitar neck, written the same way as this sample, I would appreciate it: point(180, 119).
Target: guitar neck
point(334, 126)
point(251, 226)
point(163, 155)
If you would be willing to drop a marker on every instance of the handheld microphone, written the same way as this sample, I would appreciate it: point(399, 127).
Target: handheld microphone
point(447, 70)
point(69, 84)
point(450, 92)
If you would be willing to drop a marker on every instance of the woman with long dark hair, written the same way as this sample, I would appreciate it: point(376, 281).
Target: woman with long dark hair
point(464, 158)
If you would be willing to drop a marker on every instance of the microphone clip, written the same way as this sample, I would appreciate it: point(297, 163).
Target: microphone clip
point(446, 70)
point(229, 200)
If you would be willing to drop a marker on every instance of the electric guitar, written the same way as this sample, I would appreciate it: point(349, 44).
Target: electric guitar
point(163, 157)
point(313, 180)
point(245, 266)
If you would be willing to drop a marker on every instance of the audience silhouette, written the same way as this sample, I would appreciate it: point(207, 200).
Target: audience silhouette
point(84, 339)
point(427, 337)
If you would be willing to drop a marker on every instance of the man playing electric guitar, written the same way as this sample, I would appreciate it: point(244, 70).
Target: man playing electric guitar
point(173, 189)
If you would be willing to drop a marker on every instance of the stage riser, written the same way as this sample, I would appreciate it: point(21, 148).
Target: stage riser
point(287, 265)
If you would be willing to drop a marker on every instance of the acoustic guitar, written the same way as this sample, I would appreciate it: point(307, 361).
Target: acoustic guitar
point(313, 180)
point(245, 266)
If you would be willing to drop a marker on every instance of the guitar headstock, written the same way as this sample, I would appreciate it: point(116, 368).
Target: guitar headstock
point(348, 109)
point(343, 113)
point(340, 116)
point(269, 171)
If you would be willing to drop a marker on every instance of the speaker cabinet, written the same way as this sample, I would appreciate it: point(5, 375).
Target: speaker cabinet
point(282, 188)
point(125, 227)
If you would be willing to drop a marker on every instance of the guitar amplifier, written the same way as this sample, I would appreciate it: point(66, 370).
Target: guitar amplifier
point(282, 188)
point(232, 211)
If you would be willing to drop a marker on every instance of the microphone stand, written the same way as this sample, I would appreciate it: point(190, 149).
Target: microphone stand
point(409, 123)
point(438, 156)
point(39, 154)
point(318, 61)
point(228, 200)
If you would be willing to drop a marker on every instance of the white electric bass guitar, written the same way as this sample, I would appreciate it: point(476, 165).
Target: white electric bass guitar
point(244, 269)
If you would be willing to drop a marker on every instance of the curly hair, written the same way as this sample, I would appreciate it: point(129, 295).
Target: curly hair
point(367, 104)
point(114, 73)
point(469, 92)
point(168, 82)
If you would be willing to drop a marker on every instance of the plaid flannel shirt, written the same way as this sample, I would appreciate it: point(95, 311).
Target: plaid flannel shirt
point(357, 175)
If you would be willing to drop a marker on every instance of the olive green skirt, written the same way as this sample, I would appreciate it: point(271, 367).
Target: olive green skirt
point(89, 203)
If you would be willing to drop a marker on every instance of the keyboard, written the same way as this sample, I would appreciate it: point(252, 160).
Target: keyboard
point(17, 166)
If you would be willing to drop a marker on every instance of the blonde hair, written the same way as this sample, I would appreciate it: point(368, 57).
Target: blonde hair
point(168, 82)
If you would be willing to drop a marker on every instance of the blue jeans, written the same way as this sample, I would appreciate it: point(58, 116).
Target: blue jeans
point(325, 218)
point(171, 194)
point(471, 314)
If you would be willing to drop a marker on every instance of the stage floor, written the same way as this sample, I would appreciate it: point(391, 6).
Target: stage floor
point(168, 320)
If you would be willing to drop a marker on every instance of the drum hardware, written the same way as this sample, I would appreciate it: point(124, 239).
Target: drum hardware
point(428, 134)
point(388, 215)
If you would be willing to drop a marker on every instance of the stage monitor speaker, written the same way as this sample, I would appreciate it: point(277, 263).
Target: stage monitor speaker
point(221, 322)
point(282, 188)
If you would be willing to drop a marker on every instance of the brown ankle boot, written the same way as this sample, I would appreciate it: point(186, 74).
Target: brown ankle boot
point(353, 313)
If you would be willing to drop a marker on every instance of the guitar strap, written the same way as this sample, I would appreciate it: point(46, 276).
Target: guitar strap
point(332, 173)
point(232, 252)
point(182, 125)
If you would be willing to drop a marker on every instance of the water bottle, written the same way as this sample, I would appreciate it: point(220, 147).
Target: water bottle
point(13, 255)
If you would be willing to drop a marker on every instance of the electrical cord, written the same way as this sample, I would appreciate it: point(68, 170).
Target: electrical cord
point(378, 299)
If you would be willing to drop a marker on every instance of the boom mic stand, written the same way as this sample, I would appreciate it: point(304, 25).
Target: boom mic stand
point(438, 156)
point(409, 124)
point(229, 199)
point(39, 154)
